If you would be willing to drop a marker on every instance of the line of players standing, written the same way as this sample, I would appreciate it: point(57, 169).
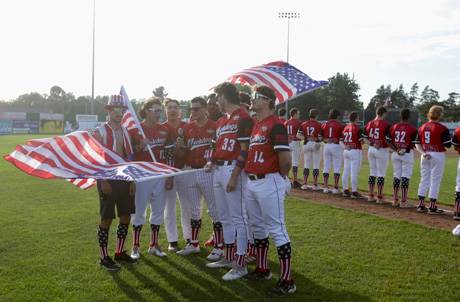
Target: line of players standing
point(343, 144)
point(244, 182)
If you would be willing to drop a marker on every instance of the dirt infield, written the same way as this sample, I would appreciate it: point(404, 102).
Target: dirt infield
point(443, 221)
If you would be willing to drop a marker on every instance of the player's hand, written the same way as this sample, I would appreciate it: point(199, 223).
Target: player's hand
point(132, 188)
point(231, 185)
point(169, 183)
point(106, 188)
point(209, 167)
point(401, 152)
point(426, 156)
point(287, 184)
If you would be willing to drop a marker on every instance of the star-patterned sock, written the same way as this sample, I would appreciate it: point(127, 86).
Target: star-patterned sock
point(396, 184)
point(315, 176)
point(326, 179)
point(306, 173)
point(196, 227)
point(154, 231)
point(421, 201)
point(371, 185)
point(433, 204)
point(137, 234)
point(103, 236)
point(218, 235)
point(336, 180)
point(404, 188)
point(380, 184)
point(229, 254)
point(284, 255)
point(261, 254)
point(122, 232)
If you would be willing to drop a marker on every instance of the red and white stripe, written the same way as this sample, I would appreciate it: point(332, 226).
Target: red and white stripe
point(120, 245)
point(285, 267)
point(80, 158)
point(262, 258)
point(137, 236)
point(154, 237)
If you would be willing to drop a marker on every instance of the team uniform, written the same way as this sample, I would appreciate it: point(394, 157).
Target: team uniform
point(402, 137)
point(177, 191)
point(352, 158)
point(231, 130)
point(151, 192)
point(311, 131)
point(282, 120)
point(434, 138)
point(198, 141)
point(456, 142)
point(264, 196)
point(333, 152)
point(120, 198)
point(377, 131)
point(292, 126)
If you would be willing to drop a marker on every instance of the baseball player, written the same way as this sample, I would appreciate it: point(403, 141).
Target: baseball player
point(456, 143)
point(402, 138)
point(267, 167)
point(376, 132)
point(281, 115)
point(232, 140)
point(151, 192)
point(115, 193)
point(213, 109)
point(198, 135)
point(353, 137)
point(434, 138)
point(310, 133)
point(292, 126)
point(333, 151)
point(175, 128)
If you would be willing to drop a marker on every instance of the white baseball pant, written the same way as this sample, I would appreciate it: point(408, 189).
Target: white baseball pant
point(200, 184)
point(311, 155)
point(231, 207)
point(402, 164)
point(378, 161)
point(332, 156)
point(457, 187)
point(150, 192)
point(295, 152)
point(352, 160)
point(431, 171)
point(178, 191)
point(265, 205)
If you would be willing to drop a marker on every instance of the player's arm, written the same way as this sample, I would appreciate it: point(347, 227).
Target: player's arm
point(446, 140)
point(300, 134)
point(244, 134)
point(389, 137)
point(279, 138)
point(455, 140)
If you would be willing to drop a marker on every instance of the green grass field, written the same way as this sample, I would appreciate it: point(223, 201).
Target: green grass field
point(49, 252)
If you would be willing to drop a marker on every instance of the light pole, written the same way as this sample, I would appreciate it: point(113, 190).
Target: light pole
point(288, 16)
point(92, 70)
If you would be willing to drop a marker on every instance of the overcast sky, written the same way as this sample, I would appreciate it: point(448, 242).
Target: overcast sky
point(189, 46)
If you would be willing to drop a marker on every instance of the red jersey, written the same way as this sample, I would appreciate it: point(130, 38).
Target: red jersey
point(352, 136)
point(456, 138)
point(282, 120)
point(403, 136)
point(292, 126)
point(174, 133)
point(377, 132)
point(268, 137)
point(159, 140)
point(198, 141)
point(311, 130)
point(433, 137)
point(332, 131)
point(230, 131)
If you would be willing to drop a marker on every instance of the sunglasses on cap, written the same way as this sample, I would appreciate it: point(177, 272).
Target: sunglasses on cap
point(257, 95)
point(155, 110)
point(118, 110)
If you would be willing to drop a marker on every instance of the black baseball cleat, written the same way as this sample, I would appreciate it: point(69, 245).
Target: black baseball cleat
point(284, 287)
point(422, 209)
point(346, 193)
point(109, 265)
point(123, 257)
point(259, 275)
point(296, 184)
point(435, 211)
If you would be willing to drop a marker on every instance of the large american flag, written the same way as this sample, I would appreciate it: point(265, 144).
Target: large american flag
point(80, 158)
point(286, 80)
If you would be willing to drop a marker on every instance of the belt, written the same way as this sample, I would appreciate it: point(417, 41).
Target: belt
point(224, 162)
point(256, 176)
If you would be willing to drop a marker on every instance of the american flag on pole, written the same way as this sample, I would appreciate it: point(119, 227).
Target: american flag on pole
point(80, 158)
point(286, 80)
point(129, 120)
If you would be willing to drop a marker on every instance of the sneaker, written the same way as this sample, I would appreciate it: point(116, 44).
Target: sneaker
point(155, 250)
point(135, 254)
point(405, 205)
point(435, 211)
point(371, 198)
point(316, 188)
point(422, 209)
point(189, 249)
point(172, 247)
point(210, 241)
point(305, 187)
point(296, 184)
point(223, 263)
point(395, 203)
point(123, 257)
point(326, 190)
point(456, 216)
point(109, 264)
point(284, 287)
point(346, 193)
point(335, 191)
point(257, 274)
point(235, 273)
point(215, 254)
point(356, 195)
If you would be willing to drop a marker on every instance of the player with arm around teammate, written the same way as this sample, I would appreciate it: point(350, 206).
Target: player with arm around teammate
point(434, 138)
point(267, 167)
point(310, 133)
point(292, 126)
point(402, 138)
point(353, 137)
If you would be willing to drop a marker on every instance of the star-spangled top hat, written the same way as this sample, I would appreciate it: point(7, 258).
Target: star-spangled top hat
point(116, 101)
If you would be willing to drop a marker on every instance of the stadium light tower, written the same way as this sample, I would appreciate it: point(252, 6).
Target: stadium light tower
point(92, 67)
point(288, 16)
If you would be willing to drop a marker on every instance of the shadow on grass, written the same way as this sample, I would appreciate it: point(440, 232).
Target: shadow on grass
point(129, 291)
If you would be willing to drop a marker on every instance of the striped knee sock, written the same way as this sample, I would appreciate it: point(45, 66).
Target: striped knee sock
point(261, 254)
point(103, 236)
point(315, 176)
point(306, 173)
point(404, 188)
point(336, 180)
point(396, 184)
point(196, 227)
point(137, 234)
point(229, 254)
point(284, 255)
point(122, 232)
point(155, 229)
point(380, 184)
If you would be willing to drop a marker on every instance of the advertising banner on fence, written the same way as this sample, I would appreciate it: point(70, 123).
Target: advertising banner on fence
point(51, 127)
point(5, 127)
point(25, 127)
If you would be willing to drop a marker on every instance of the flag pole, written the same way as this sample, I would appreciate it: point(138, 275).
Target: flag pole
point(136, 120)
